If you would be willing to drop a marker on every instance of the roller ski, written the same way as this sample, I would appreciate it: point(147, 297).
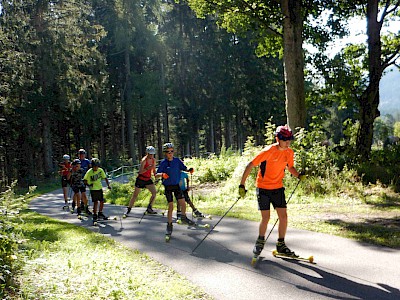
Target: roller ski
point(258, 248)
point(82, 217)
point(66, 206)
point(282, 251)
point(183, 220)
point(168, 233)
point(293, 256)
point(197, 214)
point(103, 217)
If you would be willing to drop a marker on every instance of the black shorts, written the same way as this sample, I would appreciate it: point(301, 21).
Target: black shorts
point(266, 197)
point(97, 195)
point(140, 183)
point(173, 189)
point(77, 189)
point(64, 181)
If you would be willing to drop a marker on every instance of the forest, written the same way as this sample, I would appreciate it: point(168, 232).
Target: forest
point(113, 76)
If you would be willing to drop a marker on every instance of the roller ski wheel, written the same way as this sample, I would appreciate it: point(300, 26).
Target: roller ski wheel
point(167, 237)
point(65, 207)
point(255, 259)
point(309, 259)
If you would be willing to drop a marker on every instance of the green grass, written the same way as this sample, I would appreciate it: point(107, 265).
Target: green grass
point(64, 261)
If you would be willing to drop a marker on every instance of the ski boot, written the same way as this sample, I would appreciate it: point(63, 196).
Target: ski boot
point(258, 248)
point(284, 250)
point(128, 210)
point(150, 211)
point(168, 233)
point(82, 206)
point(66, 206)
point(94, 219)
point(102, 216)
point(198, 214)
point(186, 220)
point(178, 216)
point(87, 211)
point(72, 207)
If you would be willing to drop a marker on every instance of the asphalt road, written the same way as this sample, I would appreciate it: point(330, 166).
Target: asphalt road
point(343, 269)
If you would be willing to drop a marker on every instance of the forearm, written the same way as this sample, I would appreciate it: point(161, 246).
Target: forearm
point(293, 171)
point(246, 173)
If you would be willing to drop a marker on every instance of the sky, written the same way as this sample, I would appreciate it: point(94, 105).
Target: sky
point(389, 85)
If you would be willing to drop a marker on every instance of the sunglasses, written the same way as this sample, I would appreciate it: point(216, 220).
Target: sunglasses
point(287, 138)
point(169, 152)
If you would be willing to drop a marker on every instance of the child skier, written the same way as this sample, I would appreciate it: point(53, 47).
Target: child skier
point(93, 179)
point(184, 185)
point(78, 187)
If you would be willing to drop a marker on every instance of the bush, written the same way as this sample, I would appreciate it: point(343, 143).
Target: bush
point(10, 204)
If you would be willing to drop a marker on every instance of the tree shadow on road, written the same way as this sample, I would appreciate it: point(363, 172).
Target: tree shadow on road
point(341, 284)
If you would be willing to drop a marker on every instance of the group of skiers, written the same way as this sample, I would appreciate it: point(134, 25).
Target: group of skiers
point(272, 161)
point(80, 173)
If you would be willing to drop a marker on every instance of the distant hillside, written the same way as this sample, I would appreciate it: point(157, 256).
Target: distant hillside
point(390, 93)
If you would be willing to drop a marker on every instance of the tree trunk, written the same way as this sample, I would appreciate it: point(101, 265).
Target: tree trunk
point(129, 108)
point(159, 140)
point(369, 101)
point(47, 146)
point(294, 63)
point(212, 135)
point(166, 123)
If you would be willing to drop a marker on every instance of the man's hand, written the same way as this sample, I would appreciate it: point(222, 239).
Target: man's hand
point(165, 175)
point(242, 191)
point(191, 170)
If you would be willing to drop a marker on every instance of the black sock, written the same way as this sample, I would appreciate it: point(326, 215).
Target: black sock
point(281, 240)
point(261, 237)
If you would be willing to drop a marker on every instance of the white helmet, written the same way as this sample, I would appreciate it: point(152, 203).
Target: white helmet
point(150, 150)
point(167, 146)
point(66, 157)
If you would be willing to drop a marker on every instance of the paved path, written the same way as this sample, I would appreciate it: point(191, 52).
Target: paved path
point(344, 269)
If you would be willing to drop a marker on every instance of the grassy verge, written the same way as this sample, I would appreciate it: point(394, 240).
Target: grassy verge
point(64, 261)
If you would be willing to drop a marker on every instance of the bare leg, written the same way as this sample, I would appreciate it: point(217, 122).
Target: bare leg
point(182, 204)
point(265, 215)
point(283, 222)
point(134, 196)
point(152, 189)
point(65, 192)
point(170, 210)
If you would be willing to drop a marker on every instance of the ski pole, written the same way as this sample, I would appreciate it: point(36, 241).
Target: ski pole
point(142, 216)
point(216, 224)
point(290, 197)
